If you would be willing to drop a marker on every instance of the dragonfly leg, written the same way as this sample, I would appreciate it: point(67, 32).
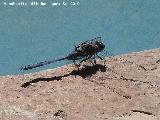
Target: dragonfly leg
point(95, 59)
point(76, 64)
point(85, 59)
point(99, 57)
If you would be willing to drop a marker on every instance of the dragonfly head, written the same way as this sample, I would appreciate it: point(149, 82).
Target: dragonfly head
point(100, 46)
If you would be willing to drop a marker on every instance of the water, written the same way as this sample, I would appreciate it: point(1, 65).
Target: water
point(33, 34)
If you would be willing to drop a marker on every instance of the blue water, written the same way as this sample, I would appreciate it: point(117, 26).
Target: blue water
point(35, 33)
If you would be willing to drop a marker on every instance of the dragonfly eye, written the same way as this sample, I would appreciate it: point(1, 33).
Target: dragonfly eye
point(100, 45)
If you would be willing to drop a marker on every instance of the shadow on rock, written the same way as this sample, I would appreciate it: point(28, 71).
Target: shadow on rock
point(84, 72)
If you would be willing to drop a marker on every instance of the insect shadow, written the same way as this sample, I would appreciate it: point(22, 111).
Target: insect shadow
point(86, 71)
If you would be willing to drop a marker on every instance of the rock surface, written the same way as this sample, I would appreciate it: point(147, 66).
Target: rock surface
point(125, 87)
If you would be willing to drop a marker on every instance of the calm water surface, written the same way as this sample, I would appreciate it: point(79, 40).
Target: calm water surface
point(35, 33)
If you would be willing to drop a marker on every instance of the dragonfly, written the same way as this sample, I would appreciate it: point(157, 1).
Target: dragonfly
point(84, 51)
